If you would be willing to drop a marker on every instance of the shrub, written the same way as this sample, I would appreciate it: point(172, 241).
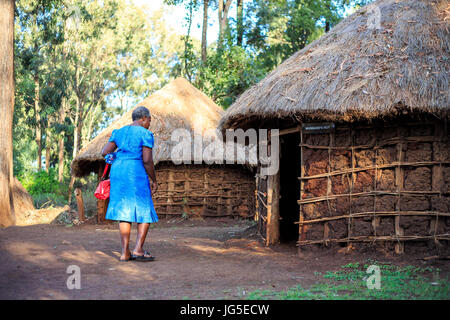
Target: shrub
point(40, 182)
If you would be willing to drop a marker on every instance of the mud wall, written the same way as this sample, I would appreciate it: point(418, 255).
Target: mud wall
point(200, 190)
point(377, 184)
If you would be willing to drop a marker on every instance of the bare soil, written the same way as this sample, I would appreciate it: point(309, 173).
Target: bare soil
point(196, 259)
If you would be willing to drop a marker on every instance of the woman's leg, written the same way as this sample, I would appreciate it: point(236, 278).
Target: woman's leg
point(142, 230)
point(125, 230)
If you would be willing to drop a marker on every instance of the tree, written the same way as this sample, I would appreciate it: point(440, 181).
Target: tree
point(279, 28)
point(80, 63)
point(224, 7)
point(38, 31)
point(204, 29)
point(7, 216)
point(240, 22)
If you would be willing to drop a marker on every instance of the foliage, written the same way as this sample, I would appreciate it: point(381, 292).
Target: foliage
point(79, 64)
point(227, 73)
point(279, 28)
point(82, 63)
point(349, 283)
point(273, 30)
point(40, 182)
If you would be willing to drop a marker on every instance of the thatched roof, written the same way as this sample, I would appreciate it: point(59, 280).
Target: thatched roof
point(177, 105)
point(357, 71)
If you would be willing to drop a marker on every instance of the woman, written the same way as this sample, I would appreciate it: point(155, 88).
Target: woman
point(131, 193)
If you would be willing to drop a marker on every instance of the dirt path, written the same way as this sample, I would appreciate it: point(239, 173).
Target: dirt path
point(195, 260)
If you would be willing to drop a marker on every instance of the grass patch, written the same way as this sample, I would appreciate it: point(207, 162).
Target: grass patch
point(350, 283)
point(47, 200)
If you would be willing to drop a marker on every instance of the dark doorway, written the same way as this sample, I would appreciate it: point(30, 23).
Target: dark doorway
point(289, 186)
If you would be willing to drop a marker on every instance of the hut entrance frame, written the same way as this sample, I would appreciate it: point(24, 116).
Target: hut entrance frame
point(289, 172)
point(358, 183)
point(277, 210)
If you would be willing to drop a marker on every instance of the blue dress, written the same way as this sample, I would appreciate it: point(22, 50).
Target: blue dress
point(130, 198)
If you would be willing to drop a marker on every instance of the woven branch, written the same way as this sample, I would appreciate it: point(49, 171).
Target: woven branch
point(378, 145)
point(369, 193)
point(445, 236)
point(383, 166)
point(375, 214)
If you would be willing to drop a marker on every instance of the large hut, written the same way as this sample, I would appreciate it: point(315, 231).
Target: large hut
point(187, 186)
point(364, 144)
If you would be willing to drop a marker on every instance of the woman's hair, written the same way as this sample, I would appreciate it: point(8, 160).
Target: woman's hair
point(139, 113)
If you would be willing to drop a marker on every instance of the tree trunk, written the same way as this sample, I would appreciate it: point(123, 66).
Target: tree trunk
point(47, 154)
point(240, 22)
point(87, 136)
point(76, 140)
point(61, 158)
point(72, 182)
point(62, 116)
point(220, 23)
point(78, 127)
point(223, 18)
point(7, 216)
point(37, 113)
point(186, 42)
point(204, 28)
point(48, 145)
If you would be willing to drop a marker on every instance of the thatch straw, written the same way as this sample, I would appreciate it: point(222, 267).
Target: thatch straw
point(357, 72)
point(177, 105)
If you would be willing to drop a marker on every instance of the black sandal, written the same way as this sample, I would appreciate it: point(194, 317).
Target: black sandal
point(143, 257)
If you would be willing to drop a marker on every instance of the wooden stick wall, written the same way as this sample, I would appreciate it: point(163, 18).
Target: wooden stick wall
point(417, 171)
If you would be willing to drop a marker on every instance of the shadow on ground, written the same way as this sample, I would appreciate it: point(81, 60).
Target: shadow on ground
point(195, 260)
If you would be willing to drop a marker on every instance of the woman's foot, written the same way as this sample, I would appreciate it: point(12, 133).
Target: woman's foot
point(127, 256)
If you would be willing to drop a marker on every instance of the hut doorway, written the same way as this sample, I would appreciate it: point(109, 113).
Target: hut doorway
point(289, 187)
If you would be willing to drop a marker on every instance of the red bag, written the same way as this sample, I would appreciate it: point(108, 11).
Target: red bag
point(102, 191)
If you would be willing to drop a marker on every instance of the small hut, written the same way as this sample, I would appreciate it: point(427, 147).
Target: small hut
point(364, 144)
point(188, 188)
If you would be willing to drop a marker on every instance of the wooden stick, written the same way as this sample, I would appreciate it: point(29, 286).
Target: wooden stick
point(170, 188)
point(377, 213)
point(375, 219)
point(234, 182)
point(353, 179)
point(383, 143)
point(301, 228)
point(399, 246)
point(205, 184)
point(367, 193)
point(384, 166)
point(270, 182)
point(80, 204)
point(445, 236)
point(329, 186)
point(288, 131)
point(437, 257)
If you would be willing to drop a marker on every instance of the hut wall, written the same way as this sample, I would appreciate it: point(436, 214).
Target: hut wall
point(387, 184)
point(201, 190)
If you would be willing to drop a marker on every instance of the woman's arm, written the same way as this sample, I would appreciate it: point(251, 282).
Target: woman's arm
point(147, 158)
point(110, 147)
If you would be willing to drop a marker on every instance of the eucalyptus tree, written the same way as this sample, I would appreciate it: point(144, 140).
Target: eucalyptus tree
point(7, 216)
point(36, 30)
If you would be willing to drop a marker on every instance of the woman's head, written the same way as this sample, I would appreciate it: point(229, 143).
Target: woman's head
point(142, 115)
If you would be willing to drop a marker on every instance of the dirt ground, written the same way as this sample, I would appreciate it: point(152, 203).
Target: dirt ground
point(196, 259)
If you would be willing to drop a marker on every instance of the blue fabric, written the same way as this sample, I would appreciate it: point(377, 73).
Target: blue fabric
point(130, 195)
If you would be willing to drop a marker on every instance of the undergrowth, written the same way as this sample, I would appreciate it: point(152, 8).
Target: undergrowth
point(350, 282)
